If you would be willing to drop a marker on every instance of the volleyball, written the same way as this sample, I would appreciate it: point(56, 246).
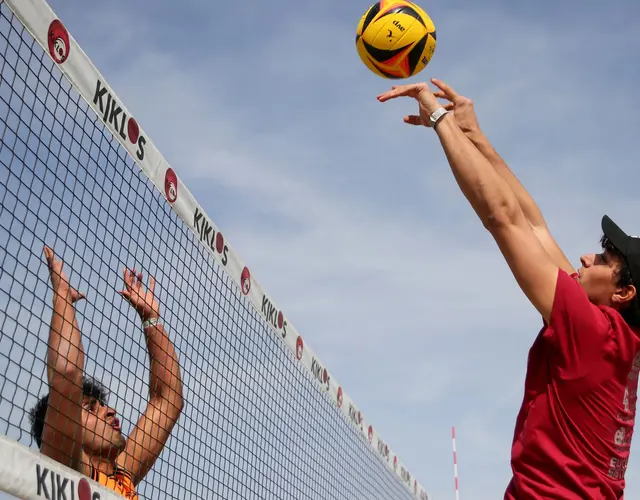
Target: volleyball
point(395, 39)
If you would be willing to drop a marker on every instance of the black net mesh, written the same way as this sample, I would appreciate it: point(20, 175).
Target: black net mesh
point(253, 425)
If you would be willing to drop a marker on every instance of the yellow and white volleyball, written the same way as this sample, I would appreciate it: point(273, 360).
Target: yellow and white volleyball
point(396, 39)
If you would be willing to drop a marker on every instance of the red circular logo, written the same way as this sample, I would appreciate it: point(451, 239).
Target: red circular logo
point(171, 185)
point(219, 242)
point(280, 319)
point(133, 130)
point(339, 397)
point(58, 39)
point(299, 347)
point(245, 281)
point(84, 490)
point(325, 376)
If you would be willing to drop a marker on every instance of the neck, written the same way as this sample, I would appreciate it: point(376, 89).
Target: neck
point(104, 465)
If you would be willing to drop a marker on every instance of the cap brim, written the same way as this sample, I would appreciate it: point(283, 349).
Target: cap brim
point(616, 236)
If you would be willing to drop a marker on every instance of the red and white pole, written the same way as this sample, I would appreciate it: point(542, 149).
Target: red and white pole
point(455, 461)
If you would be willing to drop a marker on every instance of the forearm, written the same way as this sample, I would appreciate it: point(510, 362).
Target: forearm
point(65, 354)
point(165, 380)
point(529, 207)
point(488, 193)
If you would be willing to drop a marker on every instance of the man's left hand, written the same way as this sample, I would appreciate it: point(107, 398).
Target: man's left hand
point(141, 299)
point(427, 103)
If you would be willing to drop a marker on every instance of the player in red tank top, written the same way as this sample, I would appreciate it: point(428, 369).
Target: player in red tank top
point(573, 432)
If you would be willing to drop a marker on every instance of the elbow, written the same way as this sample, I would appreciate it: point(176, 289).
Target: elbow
point(67, 381)
point(502, 216)
point(179, 405)
point(65, 373)
point(173, 407)
point(172, 400)
point(178, 400)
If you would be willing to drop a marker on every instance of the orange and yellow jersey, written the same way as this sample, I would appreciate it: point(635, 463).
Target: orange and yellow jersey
point(120, 482)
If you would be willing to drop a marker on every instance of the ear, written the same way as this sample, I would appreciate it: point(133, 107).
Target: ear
point(624, 295)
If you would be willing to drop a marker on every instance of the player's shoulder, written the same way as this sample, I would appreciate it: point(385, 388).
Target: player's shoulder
point(625, 339)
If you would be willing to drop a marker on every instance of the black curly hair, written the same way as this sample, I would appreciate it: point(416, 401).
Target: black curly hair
point(631, 313)
point(90, 388)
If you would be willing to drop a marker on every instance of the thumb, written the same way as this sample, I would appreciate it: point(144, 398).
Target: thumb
point(77, 296)
point(413, 120)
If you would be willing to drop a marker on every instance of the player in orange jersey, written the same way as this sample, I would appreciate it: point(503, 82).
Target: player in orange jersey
point(73, 424)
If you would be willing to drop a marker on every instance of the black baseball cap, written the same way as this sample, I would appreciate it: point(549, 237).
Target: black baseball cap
point(628, 246)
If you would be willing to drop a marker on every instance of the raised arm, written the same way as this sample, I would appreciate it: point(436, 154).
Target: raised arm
point(165, 404)
point(492, 199)
point(465, 117)
point(62, 433)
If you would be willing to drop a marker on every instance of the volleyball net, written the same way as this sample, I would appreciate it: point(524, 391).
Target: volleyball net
point(257, 414)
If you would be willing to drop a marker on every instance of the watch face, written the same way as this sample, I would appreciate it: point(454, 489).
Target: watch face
point(436, 115)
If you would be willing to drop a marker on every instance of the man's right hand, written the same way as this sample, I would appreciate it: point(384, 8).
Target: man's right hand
point(59, 282)
point(460, 106)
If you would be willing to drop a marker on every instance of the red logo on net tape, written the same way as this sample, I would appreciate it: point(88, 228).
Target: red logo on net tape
point(219, 242)
point(299, 348)
point(245, 281)
point(170, 184)
point(58, 38)
point(370, 433)
point(84, 490)
point(339, 397)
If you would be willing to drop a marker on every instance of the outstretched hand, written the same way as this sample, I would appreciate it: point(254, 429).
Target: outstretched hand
point(59, 281)
point(427, 102)
point(460, 106)
point(141, 299)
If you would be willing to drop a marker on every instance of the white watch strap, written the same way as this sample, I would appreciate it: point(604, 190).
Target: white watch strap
point(436, 116)
point(150, 322)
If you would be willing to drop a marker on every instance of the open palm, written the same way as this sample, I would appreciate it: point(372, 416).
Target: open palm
point(140, 298)
point(59, 280)
point(460, 106)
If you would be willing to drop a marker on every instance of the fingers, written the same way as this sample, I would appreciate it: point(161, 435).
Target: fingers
point(413, 120)
point(441, 95)
point(76, 296)
point(128, 278)
point(448, 106)
point(411, 90)
point(133, 280)
point(447, 92)
point(50, 256)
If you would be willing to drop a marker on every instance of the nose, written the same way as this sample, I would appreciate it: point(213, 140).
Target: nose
point(110, 412)
point(587, 260)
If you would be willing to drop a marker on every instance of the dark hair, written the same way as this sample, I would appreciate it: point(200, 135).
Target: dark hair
point(90, 388)
point(631, 312)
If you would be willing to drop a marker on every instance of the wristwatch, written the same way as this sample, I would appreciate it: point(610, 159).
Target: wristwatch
point(436, 116)
point(150, 322)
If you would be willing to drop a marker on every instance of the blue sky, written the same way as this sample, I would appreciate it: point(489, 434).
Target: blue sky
point(351, 219)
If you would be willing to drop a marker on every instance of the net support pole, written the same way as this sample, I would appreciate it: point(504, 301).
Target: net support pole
point(455, 462)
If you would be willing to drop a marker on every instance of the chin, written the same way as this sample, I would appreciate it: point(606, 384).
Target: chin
point(119, 441)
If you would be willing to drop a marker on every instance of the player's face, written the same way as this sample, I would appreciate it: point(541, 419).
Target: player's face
point(102, 435)
point(598, 276)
